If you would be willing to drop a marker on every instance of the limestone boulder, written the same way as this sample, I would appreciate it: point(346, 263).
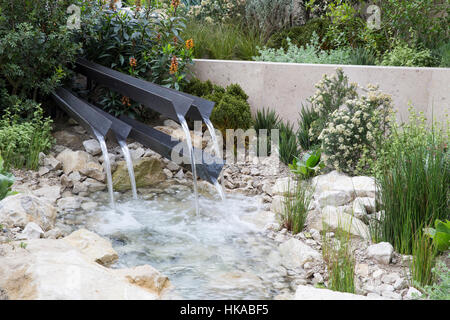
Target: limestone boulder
point(381, 252)
point(20, 209)
point(94, 247)
point(148, 172)
point(311, 293)
point(92, 146)
point(49, 269)
point(360, 186)
point(145, 277)
point(295, 254)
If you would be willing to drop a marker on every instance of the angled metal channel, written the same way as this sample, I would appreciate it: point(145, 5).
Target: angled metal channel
point(200, 109)
point(121, 129)
point(89, 118)
point(155, 97)
point(164, 144)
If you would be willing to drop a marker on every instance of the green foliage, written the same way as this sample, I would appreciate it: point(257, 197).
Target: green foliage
point(288, 142)
point(266, 119)
point(440, 234)
point(424, 254)
point(440, 290)
point(332, 92)
point(295, 208)
point(6, 182)
point(363, 57)
point(36, 47)
point(413, 176)
point(140, 45)
point(307, 117)
point(408, 56)
point(300, 36)
point(223, 41)
point(308, 166)
point(212, 11)
point(340, 261)
point(311, 53)
point(442, 53)
point(24, 133)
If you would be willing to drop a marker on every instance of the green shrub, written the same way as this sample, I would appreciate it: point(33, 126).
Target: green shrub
point(332, 92)
point(404, 55)
point(199, 88)
point(300, 35)
point(213, 11)
point(354, 129)
point(288, 142)
point(6, 182)
point(413, 176)
point(442, 54)
point(22, 139)
point(309, 166)
point(36, 47)
point(363, 57)
point(440, 290)
point(295, 208)
point(307, 117)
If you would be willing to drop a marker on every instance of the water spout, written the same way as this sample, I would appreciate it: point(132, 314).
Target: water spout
point(107, 164)
point(212, 132)
point(127, 156)
point(191, 153)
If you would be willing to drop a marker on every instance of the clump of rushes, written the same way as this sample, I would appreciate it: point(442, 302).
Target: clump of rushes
point(266, 119)
point(288, 143)
point(307, 117)
point(340, 261)
point(424, 254)
point(295, 207)
point(414, 182)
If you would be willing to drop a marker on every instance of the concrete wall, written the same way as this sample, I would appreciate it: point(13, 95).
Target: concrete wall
point(285, 86)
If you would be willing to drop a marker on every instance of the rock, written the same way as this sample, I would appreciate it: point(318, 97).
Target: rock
point(362, 269)
point(94, 170)
point(172, 166)
point(390, 278)
point(367, 203)
point(69, 203)
point(92, 146)
point(55, 270)
point(400, 284)
point(148, 172)
point(334, 198)
point(180, 174)
point(96, 248)
point(284, 186)
point(51, 163)
point(334, 219)
point(391, 295)
point(145, 277)
point(334, 181)
point(79, 187)
point(79, 130)
point(111, 157)
point(31, 231)
point(311, 293)
point(381, 252)
point(413, 293)
point(171, 124)
point(385, 288)
point(54, 233)
point(377, 273)
point(67, 139)
point(89, 206)
point(295, 254)
point(136, 154)
point(317, 278)
point(358, 210)
point(278, 204)
point(94, 185)
point(18, 210)
point(75, 177)
point(52, 193)
point(168, 173)
point(73, 160)
point(43, 171)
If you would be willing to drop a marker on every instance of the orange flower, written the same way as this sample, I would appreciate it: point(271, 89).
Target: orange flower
point(158, 36)
point(126, 101)
point(133, 62)
point(189, 44)
point(175, 3)
point(174, 65)
point(138, 5)
point(175, 40)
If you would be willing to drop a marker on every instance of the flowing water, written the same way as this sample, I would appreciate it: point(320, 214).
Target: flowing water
point(192, 155)
point(218, 154)
point(220, 254)
point(107, 164)
point(127, 156)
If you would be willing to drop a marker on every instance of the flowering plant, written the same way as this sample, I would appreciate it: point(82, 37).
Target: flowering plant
point(217, 10)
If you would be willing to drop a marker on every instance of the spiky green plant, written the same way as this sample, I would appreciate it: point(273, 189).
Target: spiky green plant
point(295, 207)
point(266, 119)
point(307, 117)
point(288, 142)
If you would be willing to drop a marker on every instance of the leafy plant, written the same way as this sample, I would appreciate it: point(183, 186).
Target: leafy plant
point(266, 119)
point(6, 182)
point(440, 290)
point(308, 166)
point(409, 56)
point(288, 142)
point(440, 234)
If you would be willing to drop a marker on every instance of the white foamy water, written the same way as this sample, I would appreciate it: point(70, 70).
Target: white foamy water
point(219, 254)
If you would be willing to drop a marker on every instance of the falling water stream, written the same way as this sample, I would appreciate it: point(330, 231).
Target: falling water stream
point(107, 164)
point(192, 155)
point(218, 154)
point(127, 156)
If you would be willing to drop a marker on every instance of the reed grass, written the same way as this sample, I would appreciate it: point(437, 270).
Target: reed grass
point(295, 207)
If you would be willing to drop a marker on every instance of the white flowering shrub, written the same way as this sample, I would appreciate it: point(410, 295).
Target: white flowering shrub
point(212, 11)
point(332, 92)
point(353, 132)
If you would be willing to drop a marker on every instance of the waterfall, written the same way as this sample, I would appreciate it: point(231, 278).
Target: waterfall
point(127, 156)
point(191, 153)
point(218, 154)
point(107, 165)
